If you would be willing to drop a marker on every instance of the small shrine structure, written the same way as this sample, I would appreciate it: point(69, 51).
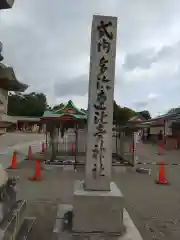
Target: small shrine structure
point(8, 82)
point(57, 122)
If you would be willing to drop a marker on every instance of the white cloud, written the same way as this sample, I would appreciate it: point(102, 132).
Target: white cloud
point(48, 44)
point(152, 96)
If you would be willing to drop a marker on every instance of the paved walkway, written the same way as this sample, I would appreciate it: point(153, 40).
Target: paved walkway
point(19, 142)
point(154, 208)
point(148, 153)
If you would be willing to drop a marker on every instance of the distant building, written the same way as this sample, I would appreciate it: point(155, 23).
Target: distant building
point(69, 115)
point(136, 119)
point(169, 124)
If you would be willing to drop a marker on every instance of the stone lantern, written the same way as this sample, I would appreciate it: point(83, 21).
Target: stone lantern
point(6, 4)
point(1, 46)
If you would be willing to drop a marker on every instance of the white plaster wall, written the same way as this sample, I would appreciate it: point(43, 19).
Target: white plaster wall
point(155, 130)
point(168, 131)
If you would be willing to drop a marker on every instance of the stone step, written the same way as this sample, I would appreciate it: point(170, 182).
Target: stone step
point(11, 224)
point(8, 227)
point(19, 211)
point(26, 228)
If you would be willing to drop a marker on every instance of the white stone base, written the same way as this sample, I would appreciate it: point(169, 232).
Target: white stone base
point(98, 211)
point(101, 185)
point(131, 232)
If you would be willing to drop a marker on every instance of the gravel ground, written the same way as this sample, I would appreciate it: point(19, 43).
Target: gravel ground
point(155, 209)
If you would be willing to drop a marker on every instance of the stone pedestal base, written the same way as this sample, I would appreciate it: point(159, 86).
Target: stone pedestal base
point(61, 232)
point(93, 185)
point(97, 211)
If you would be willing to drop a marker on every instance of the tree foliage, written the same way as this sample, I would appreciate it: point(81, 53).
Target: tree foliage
point(34, 104)
point(31, 104)
point(57, 107)
point(122, 114)
point(174, 111)
point(145, 114)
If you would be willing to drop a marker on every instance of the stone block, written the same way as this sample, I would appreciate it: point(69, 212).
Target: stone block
point(19, 211)
point(62, 209)
point(103, 184)
point(26, 228)
point(3, 176)
point(8, 227)
point(130, 233)
point(98, 211)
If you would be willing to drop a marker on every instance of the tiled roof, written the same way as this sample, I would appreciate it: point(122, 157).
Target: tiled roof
point(78, 114)
point(48, 114)
point(70, 104)
point(136, 119)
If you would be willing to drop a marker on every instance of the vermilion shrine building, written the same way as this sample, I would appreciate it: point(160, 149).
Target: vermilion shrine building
point(68, 116)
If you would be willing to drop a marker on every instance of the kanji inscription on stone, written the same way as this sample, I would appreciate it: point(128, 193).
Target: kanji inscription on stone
point(100, 104)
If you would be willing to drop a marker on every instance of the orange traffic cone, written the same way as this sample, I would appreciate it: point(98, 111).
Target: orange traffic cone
point(43, 147)
point(162, 178)
point(14, 161)
point(29, 153)
point(37, 175)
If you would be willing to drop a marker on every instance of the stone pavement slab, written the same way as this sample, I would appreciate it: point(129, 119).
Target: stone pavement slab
point(11, 139)
point(153, 208)
point(148, 153)
point(6, 151)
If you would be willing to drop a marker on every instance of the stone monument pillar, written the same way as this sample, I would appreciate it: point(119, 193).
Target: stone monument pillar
point(98, 203)
point(100, 107)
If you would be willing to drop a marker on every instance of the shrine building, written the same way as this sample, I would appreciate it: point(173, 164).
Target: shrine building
point(68, 116)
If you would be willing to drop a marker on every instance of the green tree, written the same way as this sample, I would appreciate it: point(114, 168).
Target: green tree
point(31, 104)
point(57, 107)
point(122, 114)
point(145, 114)
point(174, 110)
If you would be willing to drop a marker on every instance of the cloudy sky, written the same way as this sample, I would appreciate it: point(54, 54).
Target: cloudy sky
point(48, 44)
